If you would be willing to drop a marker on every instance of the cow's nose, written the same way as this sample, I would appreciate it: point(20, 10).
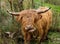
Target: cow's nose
point(28, 27)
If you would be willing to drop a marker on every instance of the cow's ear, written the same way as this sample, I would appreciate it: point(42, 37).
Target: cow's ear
point(38, 18)
point(19, 18)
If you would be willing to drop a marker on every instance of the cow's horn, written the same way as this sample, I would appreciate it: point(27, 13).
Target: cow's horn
point(42, 11)
point(13, 13)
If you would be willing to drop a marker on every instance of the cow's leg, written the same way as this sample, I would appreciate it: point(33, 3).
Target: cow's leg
point(27, 39)
point(40, 36)
point(45, 32)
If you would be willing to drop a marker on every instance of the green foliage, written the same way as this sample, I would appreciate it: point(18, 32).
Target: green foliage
point(54, 38)
point(55, 2)
point(28, 4)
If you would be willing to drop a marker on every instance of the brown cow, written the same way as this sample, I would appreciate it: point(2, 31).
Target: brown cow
point(34, 22)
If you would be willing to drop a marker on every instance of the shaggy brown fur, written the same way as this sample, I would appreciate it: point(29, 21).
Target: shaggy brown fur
point(44, 23)
point(38, 22)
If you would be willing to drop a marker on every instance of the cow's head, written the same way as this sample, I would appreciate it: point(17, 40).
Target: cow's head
point(28, 18)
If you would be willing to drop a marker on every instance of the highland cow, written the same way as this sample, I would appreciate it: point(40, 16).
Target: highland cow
point(34, 23)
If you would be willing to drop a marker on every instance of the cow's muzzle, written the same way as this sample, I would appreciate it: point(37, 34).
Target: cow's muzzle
point(30, 28)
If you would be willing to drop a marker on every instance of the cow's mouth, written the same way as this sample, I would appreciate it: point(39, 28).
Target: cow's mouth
point(31, 30)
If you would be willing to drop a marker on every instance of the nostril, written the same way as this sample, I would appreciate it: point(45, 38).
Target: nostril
point(26, 28)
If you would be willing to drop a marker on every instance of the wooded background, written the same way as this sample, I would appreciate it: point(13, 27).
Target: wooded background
point(8, 23)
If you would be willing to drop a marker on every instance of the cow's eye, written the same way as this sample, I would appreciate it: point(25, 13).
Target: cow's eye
point(35, 20)
point(21, 18)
